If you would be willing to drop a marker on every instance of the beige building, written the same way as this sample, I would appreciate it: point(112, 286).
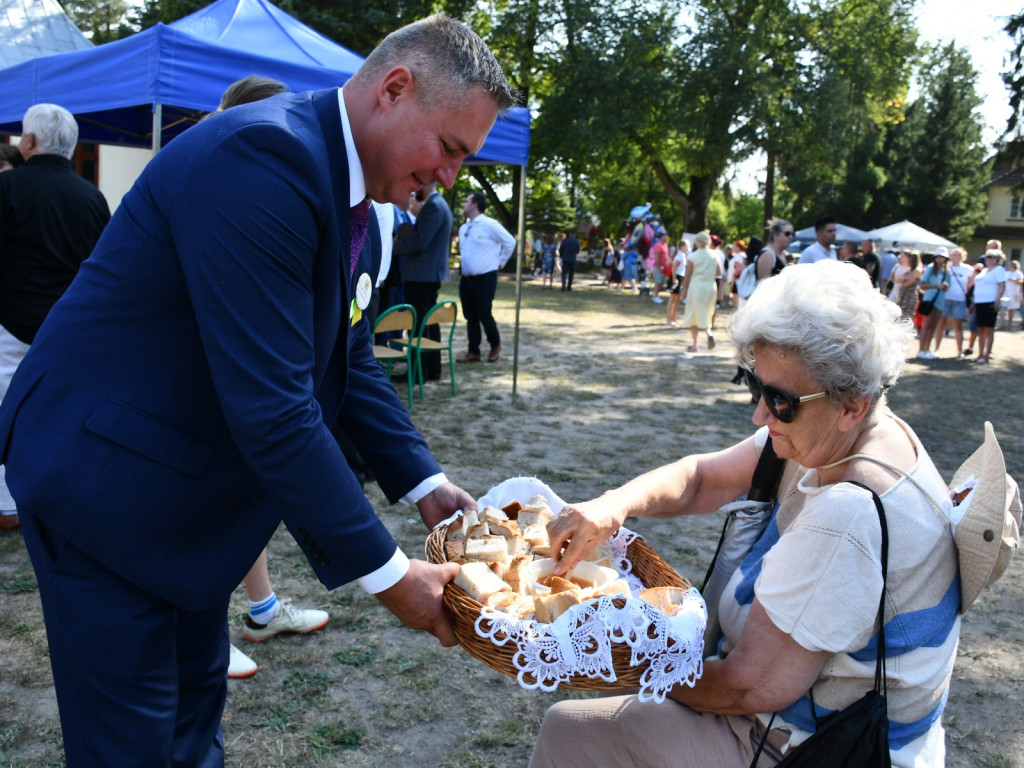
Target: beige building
point(1005, 212)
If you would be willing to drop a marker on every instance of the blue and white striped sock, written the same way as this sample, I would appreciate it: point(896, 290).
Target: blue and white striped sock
point(263, 612)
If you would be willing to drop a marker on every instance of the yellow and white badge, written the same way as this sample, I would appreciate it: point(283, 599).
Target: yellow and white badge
point(364, 292)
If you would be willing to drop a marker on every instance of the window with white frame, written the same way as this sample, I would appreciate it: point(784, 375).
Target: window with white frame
point(1016, 209)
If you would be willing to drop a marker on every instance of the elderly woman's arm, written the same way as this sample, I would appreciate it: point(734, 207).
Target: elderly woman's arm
point(694, 485)
point(767, 671)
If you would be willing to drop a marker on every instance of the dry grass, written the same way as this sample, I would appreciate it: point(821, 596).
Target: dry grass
point(605, 391)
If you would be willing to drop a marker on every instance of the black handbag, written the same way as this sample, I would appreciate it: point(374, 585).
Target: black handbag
point(926, 307)
point(857, 736)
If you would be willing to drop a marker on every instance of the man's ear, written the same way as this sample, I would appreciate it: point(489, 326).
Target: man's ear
point(397, 85)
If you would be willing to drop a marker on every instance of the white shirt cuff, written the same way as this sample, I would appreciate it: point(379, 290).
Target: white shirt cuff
point(425, 487)
point(387, 575)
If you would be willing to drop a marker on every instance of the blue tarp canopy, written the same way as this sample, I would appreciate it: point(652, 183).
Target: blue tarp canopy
point(164, 79)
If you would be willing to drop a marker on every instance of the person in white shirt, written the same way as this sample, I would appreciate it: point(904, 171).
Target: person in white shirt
point(825, 231)
point(988, 285)
point(484, 247)
point(1014, 292)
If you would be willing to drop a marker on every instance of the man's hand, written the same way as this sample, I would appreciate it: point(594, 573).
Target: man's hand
point(416, 599)
point(442, 502)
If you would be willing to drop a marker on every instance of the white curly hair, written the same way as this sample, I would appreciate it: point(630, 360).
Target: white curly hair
point(851, 338)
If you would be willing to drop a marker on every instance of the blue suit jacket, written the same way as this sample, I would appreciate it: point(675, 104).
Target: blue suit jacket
point(176, 403)
point(426, 252)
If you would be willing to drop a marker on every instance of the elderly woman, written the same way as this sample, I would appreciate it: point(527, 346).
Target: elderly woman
point(700, 291)
point(800, 613)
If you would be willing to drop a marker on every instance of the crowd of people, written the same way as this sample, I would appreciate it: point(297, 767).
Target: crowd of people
point(184, 386)
point(941, 293)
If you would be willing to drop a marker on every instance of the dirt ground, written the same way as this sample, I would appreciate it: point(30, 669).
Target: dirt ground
point(604, 391)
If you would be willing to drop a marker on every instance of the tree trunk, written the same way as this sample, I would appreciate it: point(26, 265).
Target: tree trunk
point(675, 192)
point(769, 192)
point(500, 210)
point(701, 189)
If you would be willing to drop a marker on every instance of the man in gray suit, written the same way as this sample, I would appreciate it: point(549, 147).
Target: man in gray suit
point(425, 266)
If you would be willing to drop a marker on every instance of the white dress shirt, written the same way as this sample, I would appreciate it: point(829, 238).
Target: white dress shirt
point(815, 252)
point(484, 245)
point(394, 569)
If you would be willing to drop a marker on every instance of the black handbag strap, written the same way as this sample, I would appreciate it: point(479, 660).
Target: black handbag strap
point(880, 686)
point(763, 486)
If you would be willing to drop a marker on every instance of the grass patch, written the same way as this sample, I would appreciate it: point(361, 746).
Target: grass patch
point(328, 738)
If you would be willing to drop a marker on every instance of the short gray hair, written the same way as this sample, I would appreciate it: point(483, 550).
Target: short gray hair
point(54, 127)
point(702, 239)
point(448, 61)
point(851, 338)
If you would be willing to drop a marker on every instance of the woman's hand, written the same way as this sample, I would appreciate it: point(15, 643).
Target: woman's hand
point(579, 528)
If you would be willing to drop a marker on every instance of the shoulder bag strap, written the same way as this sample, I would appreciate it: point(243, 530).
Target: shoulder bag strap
point(880, 685)
point(880, 663)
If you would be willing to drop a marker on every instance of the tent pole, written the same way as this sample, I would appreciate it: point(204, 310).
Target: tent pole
point(521, 250)
point(158, 121)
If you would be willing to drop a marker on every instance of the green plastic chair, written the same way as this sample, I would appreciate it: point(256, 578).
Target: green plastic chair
point(444, 312)
point(401, 317)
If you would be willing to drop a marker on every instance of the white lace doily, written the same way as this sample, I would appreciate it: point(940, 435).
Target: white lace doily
point(579, 642)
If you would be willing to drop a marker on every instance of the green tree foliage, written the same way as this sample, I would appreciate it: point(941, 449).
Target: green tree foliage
point(852, 85)
point(936, 158)
point(1014, 77)
point(100, 20)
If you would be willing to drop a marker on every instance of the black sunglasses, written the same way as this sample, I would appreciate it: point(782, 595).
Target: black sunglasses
point(788, 234)
point(781, 405)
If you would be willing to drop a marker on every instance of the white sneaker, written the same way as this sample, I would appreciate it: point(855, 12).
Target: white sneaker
point(657, 299)
point(923, 356)
point(287, 619)
point(240, 665)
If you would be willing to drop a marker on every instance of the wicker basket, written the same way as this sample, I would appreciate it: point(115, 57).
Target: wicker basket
point(647, 566)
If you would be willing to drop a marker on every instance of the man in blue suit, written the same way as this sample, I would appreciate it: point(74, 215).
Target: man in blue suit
point(176, 405)
point(425, 265)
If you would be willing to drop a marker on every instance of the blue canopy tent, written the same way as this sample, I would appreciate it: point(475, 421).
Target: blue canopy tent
point(146, 89)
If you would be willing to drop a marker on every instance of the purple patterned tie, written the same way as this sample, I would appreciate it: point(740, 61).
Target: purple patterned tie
point(360, 217)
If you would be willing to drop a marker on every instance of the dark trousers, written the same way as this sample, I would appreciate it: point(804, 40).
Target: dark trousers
point(423, 296)
point(476, 292)
point(568, 273)
point(138, 681)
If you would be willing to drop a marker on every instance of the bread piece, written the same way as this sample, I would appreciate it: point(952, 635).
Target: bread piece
point(506, 528)
point(510, 603)
point(487, 549)
point(600, 554)
point(536, 511)
point(549, 607)
point(617, 588)
point(517, 545)
point(459, 528)
point(536, 535)
point(455, 550)
point(492, 514)
point(512, 510)
point(558, 584)
point(479, 581)
point(663, 597)
point(516, 574)
point(478, 530)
